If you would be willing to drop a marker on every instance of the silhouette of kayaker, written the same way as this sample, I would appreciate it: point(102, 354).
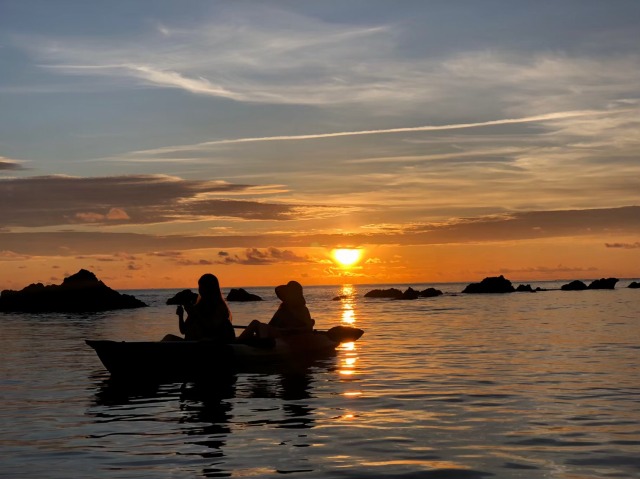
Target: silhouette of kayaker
point(209, 318)
point(291, 317)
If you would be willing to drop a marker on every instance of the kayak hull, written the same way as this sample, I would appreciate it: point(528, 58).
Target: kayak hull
point(184, 359)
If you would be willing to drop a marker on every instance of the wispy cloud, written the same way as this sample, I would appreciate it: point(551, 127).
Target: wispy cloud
point(535, 225)
point(7, 164)
point(623, 245)
point(256, 256)
point(560, 115)
point(254, 56)
point(135, 199)
point(456, 126)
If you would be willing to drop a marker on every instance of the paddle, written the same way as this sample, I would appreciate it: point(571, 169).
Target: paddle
point(339, 334)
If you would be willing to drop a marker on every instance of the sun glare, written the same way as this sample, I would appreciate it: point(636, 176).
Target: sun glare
point(346, 256)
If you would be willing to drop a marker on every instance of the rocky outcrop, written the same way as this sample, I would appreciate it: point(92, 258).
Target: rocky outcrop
point(384, 293)
point(603, 283)
point(410, 293)
point(634, 285)
point(430, 293)
point(525, 288)
point(79, 293)
point(241, 295)
point(576, 285)
point(186, 296)
point(490, 285)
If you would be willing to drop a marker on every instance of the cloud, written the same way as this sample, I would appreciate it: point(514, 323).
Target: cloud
point(270, 55)
point(114, 214)
point(190, 262)
point(9, 165)
point(456, 126)
point(255, 256)
point(536, 225)
point(623, 245)
point(135, 199)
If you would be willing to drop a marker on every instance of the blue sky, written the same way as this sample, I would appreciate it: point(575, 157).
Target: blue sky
point(296, 123)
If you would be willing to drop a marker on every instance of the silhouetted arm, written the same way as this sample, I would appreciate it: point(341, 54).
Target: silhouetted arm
point(181, 324)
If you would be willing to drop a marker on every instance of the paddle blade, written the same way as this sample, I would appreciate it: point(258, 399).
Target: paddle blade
point(341, 334)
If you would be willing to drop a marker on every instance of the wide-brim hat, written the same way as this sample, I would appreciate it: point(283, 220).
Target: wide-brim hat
point(290, 292)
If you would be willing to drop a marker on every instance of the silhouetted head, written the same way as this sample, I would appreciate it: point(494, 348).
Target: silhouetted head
point(208, 285)
point(290, 293)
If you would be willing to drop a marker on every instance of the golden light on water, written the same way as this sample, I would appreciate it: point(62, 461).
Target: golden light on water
point(349, 346)
point(348, 316)
point(350, 361)
point(353, 393)
point(346, 257)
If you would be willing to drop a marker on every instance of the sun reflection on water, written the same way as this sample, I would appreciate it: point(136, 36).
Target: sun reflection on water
point(348, 367)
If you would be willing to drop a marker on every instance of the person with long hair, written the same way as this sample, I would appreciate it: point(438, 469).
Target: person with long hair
point(209, 318)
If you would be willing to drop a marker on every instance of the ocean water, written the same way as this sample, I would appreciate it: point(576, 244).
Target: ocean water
point(524, 385)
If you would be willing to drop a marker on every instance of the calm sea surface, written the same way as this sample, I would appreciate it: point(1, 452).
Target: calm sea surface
point(543, 385)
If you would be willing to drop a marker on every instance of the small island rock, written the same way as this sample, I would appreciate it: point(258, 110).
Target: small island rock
point(603, 283)
point(384, 293)
point(490, 285)
point(525, 288)
point(576, 285)
point(186, 296)
point(79, 293)
point(410, 293)
point(634, 285)
point(430, 293)
point(242, 295)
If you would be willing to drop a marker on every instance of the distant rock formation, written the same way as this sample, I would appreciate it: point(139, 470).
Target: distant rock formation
point(242, 296)
point(576, 285)
point(525, 288)
point(410, 293)
point(490, 285)
point(341, 297)
point(430, 293)
point(186, 296)
point(384, 293)
point(603, 283)
point(634, 285)
point(79, 293)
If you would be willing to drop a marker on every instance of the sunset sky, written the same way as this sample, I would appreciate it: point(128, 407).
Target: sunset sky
point(153, 141)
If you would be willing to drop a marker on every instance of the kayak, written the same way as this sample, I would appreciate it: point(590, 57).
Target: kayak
point(181, 359)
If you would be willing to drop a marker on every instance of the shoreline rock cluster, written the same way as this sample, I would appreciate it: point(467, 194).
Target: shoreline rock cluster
point(410, 293)
point(494, 285)
point(82, 292)
point(187, 296)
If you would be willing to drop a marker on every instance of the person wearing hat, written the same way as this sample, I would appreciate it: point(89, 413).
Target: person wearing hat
point(291, 317)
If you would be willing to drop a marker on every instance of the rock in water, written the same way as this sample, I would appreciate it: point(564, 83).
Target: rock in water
point(576, 285)
point(603, 283)
point(242, 295)
point(79, 293)
point(384, 293)
point(184, 297)
point(430, 293)
point(490, 285)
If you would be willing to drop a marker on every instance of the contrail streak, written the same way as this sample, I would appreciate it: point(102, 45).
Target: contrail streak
point(314, 136)
point(456, 126)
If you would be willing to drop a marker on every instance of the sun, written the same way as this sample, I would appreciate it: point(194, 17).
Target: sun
point(346, 257)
